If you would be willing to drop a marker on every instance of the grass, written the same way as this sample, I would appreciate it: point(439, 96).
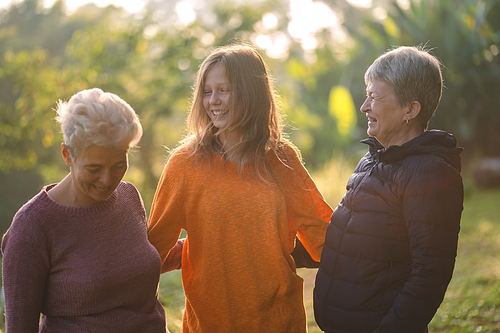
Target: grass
point(472, 302)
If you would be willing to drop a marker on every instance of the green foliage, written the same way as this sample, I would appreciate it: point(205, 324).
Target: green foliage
point(472, 302)
point(171, 295)
point(465, 36)
point(26, 126)
point(341, 108)
point(150, 60)
point(20, 186)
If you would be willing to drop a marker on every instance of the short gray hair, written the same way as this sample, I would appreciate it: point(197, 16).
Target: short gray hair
point(94, 117)
point(414, 75)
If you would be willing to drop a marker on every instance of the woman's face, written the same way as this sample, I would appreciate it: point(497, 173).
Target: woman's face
point(216, 96)
point(386, 119)
point(96, 172)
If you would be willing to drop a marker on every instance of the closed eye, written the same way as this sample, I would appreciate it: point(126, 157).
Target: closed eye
point(120, 166)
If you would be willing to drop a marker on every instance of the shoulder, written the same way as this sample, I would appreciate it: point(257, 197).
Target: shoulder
point(182, 168)
point(129, 191)
point(28, 223)
point(127, 187)
point(366, 160)
point(37, 208)
point(428, 166)
point(286, 154)
point(428, 176)
point(179, 157)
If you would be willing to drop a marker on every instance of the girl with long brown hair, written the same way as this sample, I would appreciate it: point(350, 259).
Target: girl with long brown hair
point(240, 191)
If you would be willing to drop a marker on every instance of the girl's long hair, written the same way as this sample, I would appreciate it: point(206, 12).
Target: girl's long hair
point(254, 111)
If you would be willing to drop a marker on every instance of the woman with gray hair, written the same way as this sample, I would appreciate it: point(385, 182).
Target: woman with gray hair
point(77, 253)
point(391, 243)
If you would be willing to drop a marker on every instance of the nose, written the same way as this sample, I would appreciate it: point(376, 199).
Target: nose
point(106, 178)
point(365, 106)
point(214, 98)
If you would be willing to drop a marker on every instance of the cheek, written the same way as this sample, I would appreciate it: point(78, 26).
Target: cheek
point(86, 177)
point(227, 100)
point(121, 174)
point(206, 103)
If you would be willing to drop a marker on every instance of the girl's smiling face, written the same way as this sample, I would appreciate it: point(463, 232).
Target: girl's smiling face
point(216, 96)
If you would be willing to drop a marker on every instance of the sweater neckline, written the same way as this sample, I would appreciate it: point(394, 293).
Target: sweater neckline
point(93, 209)
point(226, 160)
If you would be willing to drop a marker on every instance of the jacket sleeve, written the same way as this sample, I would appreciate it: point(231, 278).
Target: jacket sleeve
point(432, 208)
point(25, 267)
point(167, 215)
point(308, 212)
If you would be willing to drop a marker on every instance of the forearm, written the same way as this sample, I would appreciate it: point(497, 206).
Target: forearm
point(174, 258)
point(302, 258)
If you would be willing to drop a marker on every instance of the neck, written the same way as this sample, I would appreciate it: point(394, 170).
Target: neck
point(411, 134)
point(66, 194)
point(229, 140)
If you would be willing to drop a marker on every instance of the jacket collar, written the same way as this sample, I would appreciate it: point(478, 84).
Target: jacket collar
point(430, 142)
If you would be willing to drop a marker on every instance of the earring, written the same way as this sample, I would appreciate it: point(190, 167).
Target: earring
point(406, 121)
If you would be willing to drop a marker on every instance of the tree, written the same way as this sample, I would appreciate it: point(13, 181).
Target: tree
point(464, 35)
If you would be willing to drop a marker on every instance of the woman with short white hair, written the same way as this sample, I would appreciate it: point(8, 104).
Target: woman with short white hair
point(77, 253)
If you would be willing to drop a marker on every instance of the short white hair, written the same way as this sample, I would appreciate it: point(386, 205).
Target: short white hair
point(94, 117)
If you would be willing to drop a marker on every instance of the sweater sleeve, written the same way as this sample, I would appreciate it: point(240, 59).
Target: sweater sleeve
point(167, 217)
point(25, 267)
point(432, 208)
point(308, 212)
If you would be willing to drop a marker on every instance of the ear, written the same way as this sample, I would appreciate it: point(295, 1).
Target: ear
point(65, 154)
point(413, 110)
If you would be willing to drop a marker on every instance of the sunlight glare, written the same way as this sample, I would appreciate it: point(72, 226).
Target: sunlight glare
point(5, 3)
point(186, 12)
point(405, 4)
point(281, 44)
point(264, 41)
point(308, 17)
point(270, 21)
point(276, 45)
point(130, 6)
point(361, 3)
point(380, 13)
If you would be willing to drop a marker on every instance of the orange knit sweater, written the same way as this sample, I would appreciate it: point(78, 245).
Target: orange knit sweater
point(238, 274)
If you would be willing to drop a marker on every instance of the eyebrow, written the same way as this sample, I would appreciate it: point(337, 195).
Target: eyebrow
point(94, 165)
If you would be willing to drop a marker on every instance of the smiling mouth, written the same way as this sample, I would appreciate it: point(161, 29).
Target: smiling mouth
point(219, 113)
point(101, 189)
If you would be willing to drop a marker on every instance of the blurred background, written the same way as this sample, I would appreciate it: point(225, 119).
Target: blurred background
point(148, 52)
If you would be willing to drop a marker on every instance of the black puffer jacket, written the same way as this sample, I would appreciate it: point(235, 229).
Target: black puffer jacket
point(391, 244)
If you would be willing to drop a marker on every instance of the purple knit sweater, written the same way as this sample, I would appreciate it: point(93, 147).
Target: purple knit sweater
point(87, 269)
